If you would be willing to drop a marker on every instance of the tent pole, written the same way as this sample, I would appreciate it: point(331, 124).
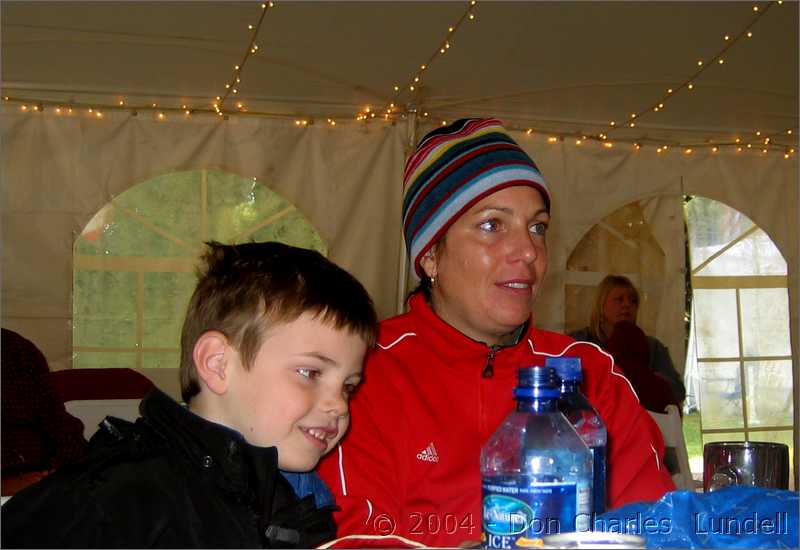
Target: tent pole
point(402, 281)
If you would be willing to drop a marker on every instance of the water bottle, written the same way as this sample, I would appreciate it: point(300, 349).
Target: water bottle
point(536, 471)
point(585, 420)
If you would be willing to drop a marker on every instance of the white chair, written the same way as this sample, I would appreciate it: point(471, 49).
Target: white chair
point(92, 411)
point(671, 426)
point(92, 394)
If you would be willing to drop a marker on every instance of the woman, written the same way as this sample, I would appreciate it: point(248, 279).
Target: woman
point(475, 216)
point(644, 359)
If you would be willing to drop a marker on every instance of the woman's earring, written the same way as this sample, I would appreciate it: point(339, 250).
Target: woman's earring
point(433, 280)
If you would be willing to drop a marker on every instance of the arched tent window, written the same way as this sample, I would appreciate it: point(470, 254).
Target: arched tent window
point(739, 364)
point(637, 241)
point(644, 241)
point(134, 263)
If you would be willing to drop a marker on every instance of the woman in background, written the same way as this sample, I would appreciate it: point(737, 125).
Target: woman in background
point(644, 359)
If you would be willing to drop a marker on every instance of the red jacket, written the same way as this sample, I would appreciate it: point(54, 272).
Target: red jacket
point(411, 463)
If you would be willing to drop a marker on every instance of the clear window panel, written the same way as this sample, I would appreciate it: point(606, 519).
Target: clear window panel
point(91, 239)
point(716, 324)
point(161, 359)
point(756, 254)
point(165, 298)
point(104, 309)
point(720, 395)
point(769, 393)
point(237, 206)
point(723, 436)
point(693, 439)
point(119, 234)
point(171, 202)
point(166, 217)
point(292, 229)
point(711, 226)
point(103, 360)
point(765, 322)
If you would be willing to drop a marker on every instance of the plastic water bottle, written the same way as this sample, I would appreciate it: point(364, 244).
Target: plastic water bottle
point(536, 471)
point(585, 420)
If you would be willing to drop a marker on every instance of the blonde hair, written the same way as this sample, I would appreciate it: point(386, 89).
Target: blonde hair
point(609, 283)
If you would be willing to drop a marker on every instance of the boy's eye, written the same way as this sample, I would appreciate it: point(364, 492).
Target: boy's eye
point(539, 228)
point(489, 226)
point(311, 374)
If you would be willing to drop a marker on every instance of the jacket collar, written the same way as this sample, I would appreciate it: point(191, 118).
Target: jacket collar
point(214, 447)
point(249, 472)
point(450, 343)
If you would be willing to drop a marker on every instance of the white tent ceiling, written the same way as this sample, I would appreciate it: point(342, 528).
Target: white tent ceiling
point(559, 66)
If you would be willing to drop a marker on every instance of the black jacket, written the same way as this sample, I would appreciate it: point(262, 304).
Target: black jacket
point(172, 479)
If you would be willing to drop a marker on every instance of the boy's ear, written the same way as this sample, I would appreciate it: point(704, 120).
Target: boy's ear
point(210, 359)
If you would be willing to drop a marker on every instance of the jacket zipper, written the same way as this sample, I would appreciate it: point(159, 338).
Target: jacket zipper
point(488, 369)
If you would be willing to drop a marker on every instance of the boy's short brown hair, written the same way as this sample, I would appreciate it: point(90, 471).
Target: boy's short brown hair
point(244, 289)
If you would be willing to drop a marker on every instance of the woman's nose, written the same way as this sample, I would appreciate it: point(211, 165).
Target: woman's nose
point(524, 246)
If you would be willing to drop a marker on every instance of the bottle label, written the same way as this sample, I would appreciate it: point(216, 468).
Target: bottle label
point(517, 513)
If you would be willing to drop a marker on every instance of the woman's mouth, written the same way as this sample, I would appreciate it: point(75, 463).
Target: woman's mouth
point(516, 286)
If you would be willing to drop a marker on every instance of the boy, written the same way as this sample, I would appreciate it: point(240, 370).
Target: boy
point(271, 349)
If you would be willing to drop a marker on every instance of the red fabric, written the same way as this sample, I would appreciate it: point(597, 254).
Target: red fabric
point(112, 383)
point(356, 541)
point(628, 344)
point(38, 433)
point(410, 464)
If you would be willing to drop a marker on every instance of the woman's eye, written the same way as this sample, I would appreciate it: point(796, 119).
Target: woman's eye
point(349, 389)
point(539, 228)
point(489, 226)
point(311, 374)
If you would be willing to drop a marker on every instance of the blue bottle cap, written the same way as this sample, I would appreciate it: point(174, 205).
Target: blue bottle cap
point(537, 382)
point(567, 368)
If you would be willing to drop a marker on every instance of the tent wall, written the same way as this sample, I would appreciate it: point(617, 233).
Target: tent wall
point(59, 171)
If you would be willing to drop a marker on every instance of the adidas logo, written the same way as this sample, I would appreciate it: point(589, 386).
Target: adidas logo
point(428, 454)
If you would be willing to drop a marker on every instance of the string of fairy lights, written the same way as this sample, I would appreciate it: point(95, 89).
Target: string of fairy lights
point(160, 113)
point(402, 100)
point(752, 141)
point(689, 84)
point(415, 81)
point(755, 142)
point(232, 86)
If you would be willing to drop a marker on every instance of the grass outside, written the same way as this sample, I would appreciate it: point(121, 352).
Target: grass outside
point(694, 441)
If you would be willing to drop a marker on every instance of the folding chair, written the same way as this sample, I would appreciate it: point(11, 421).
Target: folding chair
point(93, 394)
point(675, 457)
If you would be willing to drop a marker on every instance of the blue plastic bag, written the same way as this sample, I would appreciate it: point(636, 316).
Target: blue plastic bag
point(735, 517)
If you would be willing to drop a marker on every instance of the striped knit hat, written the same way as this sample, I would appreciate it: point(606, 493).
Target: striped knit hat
point(451, 169)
